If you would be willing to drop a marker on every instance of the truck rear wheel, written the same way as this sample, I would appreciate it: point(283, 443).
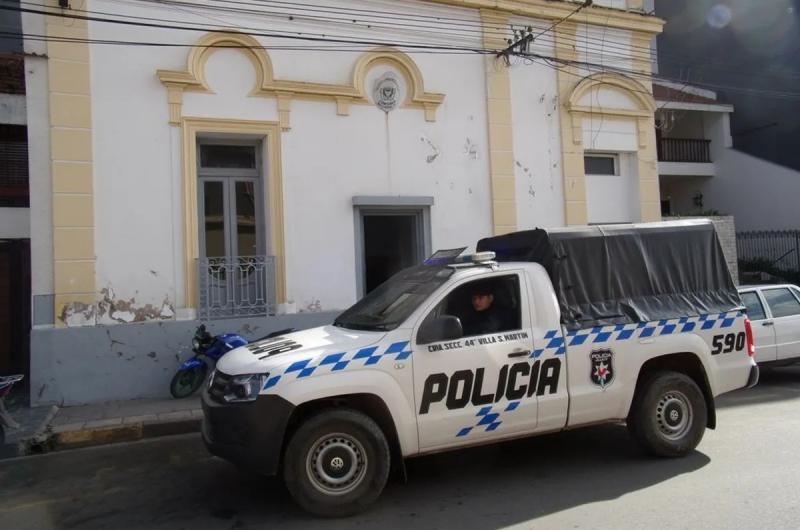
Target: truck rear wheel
point(337, 463)
point(668, 414)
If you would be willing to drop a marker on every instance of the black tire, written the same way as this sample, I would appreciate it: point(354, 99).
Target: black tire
point(345, 446)
point(668, 414)
point(185, 382)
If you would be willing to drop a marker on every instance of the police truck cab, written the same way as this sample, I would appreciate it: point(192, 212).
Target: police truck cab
point(536, 332)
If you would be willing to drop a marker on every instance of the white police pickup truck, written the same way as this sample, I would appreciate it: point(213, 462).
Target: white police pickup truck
point(635, 323)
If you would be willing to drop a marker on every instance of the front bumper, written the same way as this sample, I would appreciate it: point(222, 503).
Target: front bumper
point(247, 434)
point(752, 380)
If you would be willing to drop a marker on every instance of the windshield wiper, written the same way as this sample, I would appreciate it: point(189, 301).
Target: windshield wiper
point(361, 327)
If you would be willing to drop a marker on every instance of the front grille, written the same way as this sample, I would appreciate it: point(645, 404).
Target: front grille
point(218, 386)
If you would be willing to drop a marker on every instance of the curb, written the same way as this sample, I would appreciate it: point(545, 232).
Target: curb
point(123, 433)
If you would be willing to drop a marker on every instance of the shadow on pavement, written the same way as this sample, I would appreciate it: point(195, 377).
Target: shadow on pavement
point(774, 384)
point(176, 484)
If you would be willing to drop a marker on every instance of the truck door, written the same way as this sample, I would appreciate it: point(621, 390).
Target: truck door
point(475, 386)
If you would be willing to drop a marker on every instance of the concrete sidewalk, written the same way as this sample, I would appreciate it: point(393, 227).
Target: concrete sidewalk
point(47, 429)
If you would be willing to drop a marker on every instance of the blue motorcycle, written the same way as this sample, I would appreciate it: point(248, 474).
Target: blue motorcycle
point(207, 350)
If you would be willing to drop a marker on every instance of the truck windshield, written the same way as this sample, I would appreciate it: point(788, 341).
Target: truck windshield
point(390, 304)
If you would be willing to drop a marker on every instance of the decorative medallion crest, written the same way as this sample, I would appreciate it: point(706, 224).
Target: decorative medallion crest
point(387, 92)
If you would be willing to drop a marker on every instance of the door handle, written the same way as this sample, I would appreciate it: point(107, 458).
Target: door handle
point(518, 354)
point(767, 323)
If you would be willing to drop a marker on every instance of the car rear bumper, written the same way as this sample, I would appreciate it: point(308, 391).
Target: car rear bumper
point(247, 434)
point(752, 380)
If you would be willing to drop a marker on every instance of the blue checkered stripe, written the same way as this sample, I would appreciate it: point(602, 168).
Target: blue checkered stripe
point(488, 420)
point(553, 344)
point(643, 330)
point(335, 362)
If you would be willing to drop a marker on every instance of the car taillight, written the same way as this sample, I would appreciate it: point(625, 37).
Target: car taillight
point(748, 331)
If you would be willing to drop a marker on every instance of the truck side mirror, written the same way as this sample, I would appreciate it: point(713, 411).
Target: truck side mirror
point(443, 327)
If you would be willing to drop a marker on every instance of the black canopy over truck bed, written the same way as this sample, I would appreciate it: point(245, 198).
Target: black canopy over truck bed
point(621, 274)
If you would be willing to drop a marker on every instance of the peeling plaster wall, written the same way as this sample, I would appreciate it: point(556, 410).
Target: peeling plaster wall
point(327, 159)
point(134, 203)
point(371, 153)
point(129, 362)
point(537, 140)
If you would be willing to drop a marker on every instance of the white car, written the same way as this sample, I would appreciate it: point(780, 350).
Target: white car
point(774, 311)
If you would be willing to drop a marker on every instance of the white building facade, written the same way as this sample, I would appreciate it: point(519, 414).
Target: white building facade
point(246, 172)
point(701, 173)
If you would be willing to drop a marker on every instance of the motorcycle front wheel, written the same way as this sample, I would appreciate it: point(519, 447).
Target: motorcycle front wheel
point(186, 382)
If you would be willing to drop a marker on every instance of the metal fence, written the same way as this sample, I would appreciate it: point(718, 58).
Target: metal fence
point(780, 248)
point(236, 286)
point(684, 150)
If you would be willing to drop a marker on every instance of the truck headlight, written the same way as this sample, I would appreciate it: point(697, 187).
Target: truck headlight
point(243, 388)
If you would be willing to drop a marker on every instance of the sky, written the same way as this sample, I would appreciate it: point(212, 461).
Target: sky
point(753, 45)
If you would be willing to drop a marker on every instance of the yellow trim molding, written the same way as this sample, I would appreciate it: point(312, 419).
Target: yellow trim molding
point(193, 79)
point(575, 212)
point(501, 135)
point(270, 133)
point(572, 115)
point(71, 167)
point(630, 87)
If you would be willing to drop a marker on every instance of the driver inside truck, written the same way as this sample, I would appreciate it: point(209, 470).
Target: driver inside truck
point(484, 317)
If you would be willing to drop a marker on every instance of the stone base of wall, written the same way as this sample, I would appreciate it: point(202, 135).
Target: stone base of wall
point(75, 366)
point(726, 231)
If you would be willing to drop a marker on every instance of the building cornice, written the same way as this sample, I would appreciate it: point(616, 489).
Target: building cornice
point(556, 10)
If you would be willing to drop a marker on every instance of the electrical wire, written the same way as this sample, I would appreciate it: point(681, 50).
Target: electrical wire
point(473, 30)
point(335, 47)
point(321, 38)
point(373, 42)
point(564, 63)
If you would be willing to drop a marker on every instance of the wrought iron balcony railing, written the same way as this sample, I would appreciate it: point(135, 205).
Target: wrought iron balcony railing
point(236, 286)
point(684, 150)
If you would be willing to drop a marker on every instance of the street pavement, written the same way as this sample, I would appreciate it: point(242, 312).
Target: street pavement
point(746, 474)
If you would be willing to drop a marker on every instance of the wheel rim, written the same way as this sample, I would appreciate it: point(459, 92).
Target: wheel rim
point(674, 415)
point(188, 381)
point(336, 464)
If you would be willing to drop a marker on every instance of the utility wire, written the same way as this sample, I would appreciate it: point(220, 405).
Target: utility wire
point(340, 40)
point(565, 63)
point(474, 31)
point(164, 3)
point(321, 38)
point(229, 24)
point(586, 3)
point(310, 47)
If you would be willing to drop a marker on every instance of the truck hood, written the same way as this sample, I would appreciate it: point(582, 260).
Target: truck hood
point(269, 354)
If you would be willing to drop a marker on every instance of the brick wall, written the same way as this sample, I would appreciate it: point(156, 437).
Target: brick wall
point(726, 231)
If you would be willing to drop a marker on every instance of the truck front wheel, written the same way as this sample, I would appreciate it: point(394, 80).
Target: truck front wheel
point(668, 414)
point(336, 463)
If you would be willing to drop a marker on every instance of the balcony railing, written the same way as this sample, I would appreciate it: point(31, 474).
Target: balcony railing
point(236, 286)
point(684, 150)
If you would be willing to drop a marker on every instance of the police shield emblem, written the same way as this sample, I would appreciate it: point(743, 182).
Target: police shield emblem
point(601, 369)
